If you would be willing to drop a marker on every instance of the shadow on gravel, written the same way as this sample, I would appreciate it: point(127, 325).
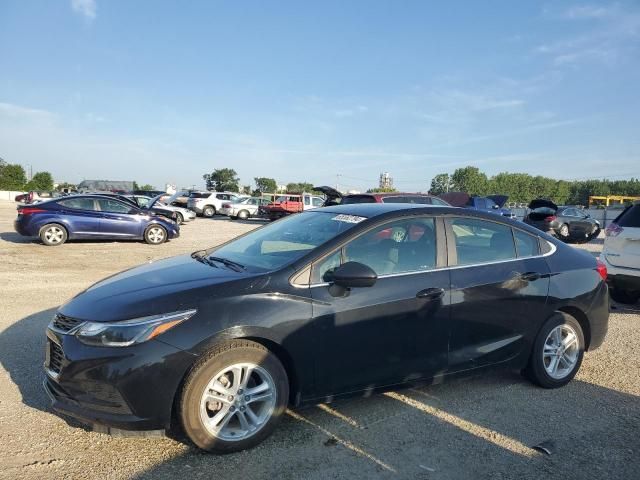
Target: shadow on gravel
point(482, 427)
point(15, 237)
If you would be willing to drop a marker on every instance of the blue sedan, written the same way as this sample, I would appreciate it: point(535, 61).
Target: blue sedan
point(91, 217)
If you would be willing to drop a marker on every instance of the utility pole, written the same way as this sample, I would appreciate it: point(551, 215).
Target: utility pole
point(337, 181)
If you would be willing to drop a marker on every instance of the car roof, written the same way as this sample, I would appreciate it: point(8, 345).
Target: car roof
point(388, 194)
point(375, 209)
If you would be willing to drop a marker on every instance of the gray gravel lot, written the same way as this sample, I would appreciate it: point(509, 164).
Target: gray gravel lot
point(481, 427)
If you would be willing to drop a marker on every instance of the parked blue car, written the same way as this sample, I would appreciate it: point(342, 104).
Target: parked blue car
point(91, 217)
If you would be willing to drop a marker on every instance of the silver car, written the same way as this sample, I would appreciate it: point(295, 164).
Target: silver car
point(243, 209)
point(182, 214)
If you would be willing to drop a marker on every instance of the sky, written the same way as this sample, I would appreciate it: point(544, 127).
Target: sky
point(329, 92)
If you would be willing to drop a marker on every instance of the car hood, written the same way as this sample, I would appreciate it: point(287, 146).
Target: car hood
point(157, 287)
point(542, 202)
point(500, 200)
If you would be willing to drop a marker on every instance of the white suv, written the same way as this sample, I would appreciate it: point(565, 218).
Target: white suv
point(621, 255)
point(209, 203)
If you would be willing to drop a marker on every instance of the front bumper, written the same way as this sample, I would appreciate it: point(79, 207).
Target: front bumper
point(129, 388)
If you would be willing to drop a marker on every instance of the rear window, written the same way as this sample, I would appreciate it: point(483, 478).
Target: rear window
point(351, 199)
point(630, 217)
point(200, 195)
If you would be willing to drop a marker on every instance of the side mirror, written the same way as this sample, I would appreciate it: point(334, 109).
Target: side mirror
point(354, 275)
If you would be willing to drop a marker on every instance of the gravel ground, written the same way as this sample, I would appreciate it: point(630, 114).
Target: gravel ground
point(481, 427)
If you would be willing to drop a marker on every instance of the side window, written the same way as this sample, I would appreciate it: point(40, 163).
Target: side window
point(78, 203)
point(112, 206)
point(321, 271)
point(307, 200)
point(221, 196)
point(481, 241)
point(394, 200)
point(398, 247)
point(317, 202)
point(526, 244)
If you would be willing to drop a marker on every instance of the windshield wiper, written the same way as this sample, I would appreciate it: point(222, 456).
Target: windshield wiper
point(238, 267)
point(200, 256)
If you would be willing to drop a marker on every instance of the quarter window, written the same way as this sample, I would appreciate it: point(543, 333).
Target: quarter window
point(527, 245)
point(322, 270)
point(482, 241)
point(437, 201)
point(394, 200)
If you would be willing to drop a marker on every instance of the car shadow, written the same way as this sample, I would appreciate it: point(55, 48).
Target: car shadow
point(14, 237)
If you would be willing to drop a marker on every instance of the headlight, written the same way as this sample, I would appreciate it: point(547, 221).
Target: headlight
point(128, 332)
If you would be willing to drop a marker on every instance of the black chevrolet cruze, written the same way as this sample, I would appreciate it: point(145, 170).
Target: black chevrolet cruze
point(337, 301)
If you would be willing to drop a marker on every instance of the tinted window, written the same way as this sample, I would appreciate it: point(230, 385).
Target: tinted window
point(395, 200)
point(200, 195)
point(481, 241)
point(78, 203)
point(418, 199)
point(630, 217)
point(481, 203)
point(350, 199)
point(396, 247)
point(113, 206)
point(490, 203)
point(307, 200)
point(526, 244)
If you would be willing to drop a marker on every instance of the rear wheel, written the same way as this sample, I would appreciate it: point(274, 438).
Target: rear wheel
point(179, 218)
point(557, 352)
point(624, 296)
point(209, 211)
point(155, 235)
point(53, 234)
point(243, 214)
point(234, 397)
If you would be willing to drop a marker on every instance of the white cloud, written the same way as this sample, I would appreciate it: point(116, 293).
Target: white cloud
point(589, 11)
point(86, 8)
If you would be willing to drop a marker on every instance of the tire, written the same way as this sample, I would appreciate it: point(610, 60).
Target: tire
point(626, 297)
point(155, 235)
point(53, 234)
point(179, 218)
point(209, 211)
point(243, 214)
point(539, 371)
point(194, 408)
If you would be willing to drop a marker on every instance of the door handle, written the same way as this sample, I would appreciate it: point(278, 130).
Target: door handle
point(530, 276)
point(430, 293)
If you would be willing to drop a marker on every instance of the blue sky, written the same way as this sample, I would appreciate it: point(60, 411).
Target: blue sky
point(161, 91)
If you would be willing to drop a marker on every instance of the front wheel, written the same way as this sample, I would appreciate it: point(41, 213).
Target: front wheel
point(557, 352)
point(234, 397)
point(243, 214)
point(155, 235)
point(179, 218)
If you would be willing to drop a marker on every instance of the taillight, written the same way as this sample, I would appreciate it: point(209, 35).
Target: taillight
point(550, 218)
point(226, 205)
point(601, 268)
point(30, 210)
point(613, 230)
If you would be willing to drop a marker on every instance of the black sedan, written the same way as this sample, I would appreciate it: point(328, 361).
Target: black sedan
point(569, 223)
point(338, 301)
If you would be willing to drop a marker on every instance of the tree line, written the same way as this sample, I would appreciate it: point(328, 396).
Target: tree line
point(13, 177)
point(522, 187)
point(227, 180)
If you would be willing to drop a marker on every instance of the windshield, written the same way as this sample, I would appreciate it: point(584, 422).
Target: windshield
point(278, 244)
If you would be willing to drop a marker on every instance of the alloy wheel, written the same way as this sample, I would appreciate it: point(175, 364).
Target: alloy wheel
point(54, 235)
point(238, 401)
point(156, 235)
point(561, 351)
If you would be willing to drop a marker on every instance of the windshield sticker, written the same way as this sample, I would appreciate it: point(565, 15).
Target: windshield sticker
point(348, 218)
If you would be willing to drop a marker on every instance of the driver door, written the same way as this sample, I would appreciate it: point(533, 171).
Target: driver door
point(394, 331)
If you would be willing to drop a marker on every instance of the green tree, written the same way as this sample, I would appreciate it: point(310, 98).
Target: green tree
point(470, 180)
point(246, 189)
point(41, 181)
point(12, 177)
point(299, 187)
point(65, 186)
point(265, 184)
point(440, 184)
point(222, 179)
point(381, 190)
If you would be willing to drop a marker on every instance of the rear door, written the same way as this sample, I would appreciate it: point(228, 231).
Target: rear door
point(394, 331)
point(117, 221)
point(623, 249)
point(82, 217)
point(499, 287)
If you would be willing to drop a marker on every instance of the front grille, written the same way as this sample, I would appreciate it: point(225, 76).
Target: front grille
point(64, 323)
point(56, 357)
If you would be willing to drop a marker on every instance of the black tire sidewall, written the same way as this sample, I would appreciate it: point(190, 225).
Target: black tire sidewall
point(203, 372)
point(46, 227)
point(535, 370)
point(179, 218)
